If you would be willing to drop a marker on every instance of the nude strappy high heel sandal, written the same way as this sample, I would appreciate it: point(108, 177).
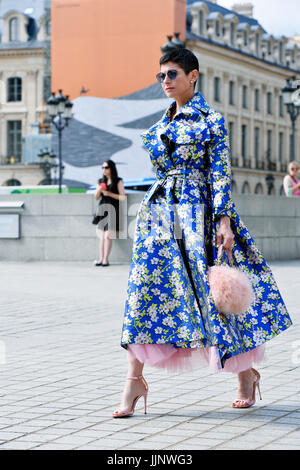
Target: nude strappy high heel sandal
point(125, 412)
point(241, 403)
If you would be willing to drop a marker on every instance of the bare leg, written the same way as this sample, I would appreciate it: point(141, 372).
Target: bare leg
point(245, 384)
point(246, 381)
point(101, 246)
point(107, 246)
point(132, 388)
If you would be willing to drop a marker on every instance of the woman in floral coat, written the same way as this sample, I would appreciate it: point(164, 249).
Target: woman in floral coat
point(170, 318)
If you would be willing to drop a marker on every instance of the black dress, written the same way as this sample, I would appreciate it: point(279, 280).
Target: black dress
point(109, 208)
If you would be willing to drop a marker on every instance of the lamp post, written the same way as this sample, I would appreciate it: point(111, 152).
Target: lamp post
point(60, 112)
point(47, 162)
point(291, 98)
point(270, 183)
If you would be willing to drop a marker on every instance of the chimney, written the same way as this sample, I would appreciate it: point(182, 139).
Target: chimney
point(245, 9)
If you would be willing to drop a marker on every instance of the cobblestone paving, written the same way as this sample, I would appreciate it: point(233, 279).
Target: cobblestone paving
point(62, 371)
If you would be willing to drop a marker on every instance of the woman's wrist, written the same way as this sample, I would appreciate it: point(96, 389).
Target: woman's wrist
point(225, 220)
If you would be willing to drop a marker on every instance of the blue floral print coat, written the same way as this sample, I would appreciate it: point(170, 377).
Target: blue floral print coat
point(168, 297)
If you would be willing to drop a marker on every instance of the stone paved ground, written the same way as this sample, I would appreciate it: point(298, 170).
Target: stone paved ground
point(62, 371)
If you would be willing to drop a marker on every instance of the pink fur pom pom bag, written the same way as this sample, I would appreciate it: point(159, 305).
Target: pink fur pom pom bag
point(230, 288)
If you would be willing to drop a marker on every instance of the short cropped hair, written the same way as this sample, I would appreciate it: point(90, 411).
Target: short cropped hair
point(294, 163)
point(185, 58)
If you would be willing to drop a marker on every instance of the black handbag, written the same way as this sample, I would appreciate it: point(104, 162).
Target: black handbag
point(96, 216)
point(96, 219)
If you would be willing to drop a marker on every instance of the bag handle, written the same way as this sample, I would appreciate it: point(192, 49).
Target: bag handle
point(220, 254)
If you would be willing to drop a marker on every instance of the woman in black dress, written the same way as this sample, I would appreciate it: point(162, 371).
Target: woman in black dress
point(110, 191)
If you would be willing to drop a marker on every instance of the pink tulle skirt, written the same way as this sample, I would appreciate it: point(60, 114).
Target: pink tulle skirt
point(167, 357)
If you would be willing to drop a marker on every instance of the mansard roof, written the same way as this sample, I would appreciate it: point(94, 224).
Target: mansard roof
point(215, 8)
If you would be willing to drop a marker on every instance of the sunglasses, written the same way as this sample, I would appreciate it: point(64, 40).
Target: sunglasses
point(105, 167)
point(294, 168)
point(172, 74)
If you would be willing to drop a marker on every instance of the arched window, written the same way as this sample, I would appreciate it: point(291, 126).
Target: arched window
point(246, 188)
point(14, 89)
point(233, 187)
point(14, 29)
point(12, 182)
point(259, 189)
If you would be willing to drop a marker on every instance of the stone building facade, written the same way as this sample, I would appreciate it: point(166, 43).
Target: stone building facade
point(242, 72)
point(24, 84)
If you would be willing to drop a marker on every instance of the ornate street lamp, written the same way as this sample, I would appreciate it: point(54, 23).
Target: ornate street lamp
point(47, 162)
point(291, 98)
point(170, 45)
point(60, 112)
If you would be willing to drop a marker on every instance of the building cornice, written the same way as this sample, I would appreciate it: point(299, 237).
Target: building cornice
point(22, 52)
point(238, 55)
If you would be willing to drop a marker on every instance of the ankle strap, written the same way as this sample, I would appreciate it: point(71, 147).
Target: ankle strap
point(135, 378)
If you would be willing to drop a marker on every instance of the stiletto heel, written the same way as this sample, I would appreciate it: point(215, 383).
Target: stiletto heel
point(125, 412)
point(258, 387)
point(240, 403)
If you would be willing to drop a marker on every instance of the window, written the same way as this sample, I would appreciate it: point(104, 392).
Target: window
point(259, 189)
point(48, 27)
point(200, 82)
point(14, 89)
point(269, 145)
point(245, 38)
point(201, 22)
point(256, 143)
point(257, 44)
point(280, 146)
point(14, 141)
point(217, 28)
point(14, 29)
point(217, 89)
point(281, 107)
point(269, 102)
point(232, 34)
point(269, 48)
point(245, 96)
point(246, 188)
point(231, 92)
point(13, 182)
point(256, 100)
point(244, 142)
point(280, 53)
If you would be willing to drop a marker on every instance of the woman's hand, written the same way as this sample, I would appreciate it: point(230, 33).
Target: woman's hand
point(225, 236)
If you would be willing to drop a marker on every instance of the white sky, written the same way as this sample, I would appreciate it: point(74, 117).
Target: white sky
point(278, 17)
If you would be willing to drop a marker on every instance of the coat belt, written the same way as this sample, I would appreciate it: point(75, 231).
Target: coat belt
point(162, 176)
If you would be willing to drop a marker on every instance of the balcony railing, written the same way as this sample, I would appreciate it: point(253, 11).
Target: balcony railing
point(247, 163)
point(260, 165)
point(283, 167)
point(271, 166)
point(234, 161)
point(10, 160)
